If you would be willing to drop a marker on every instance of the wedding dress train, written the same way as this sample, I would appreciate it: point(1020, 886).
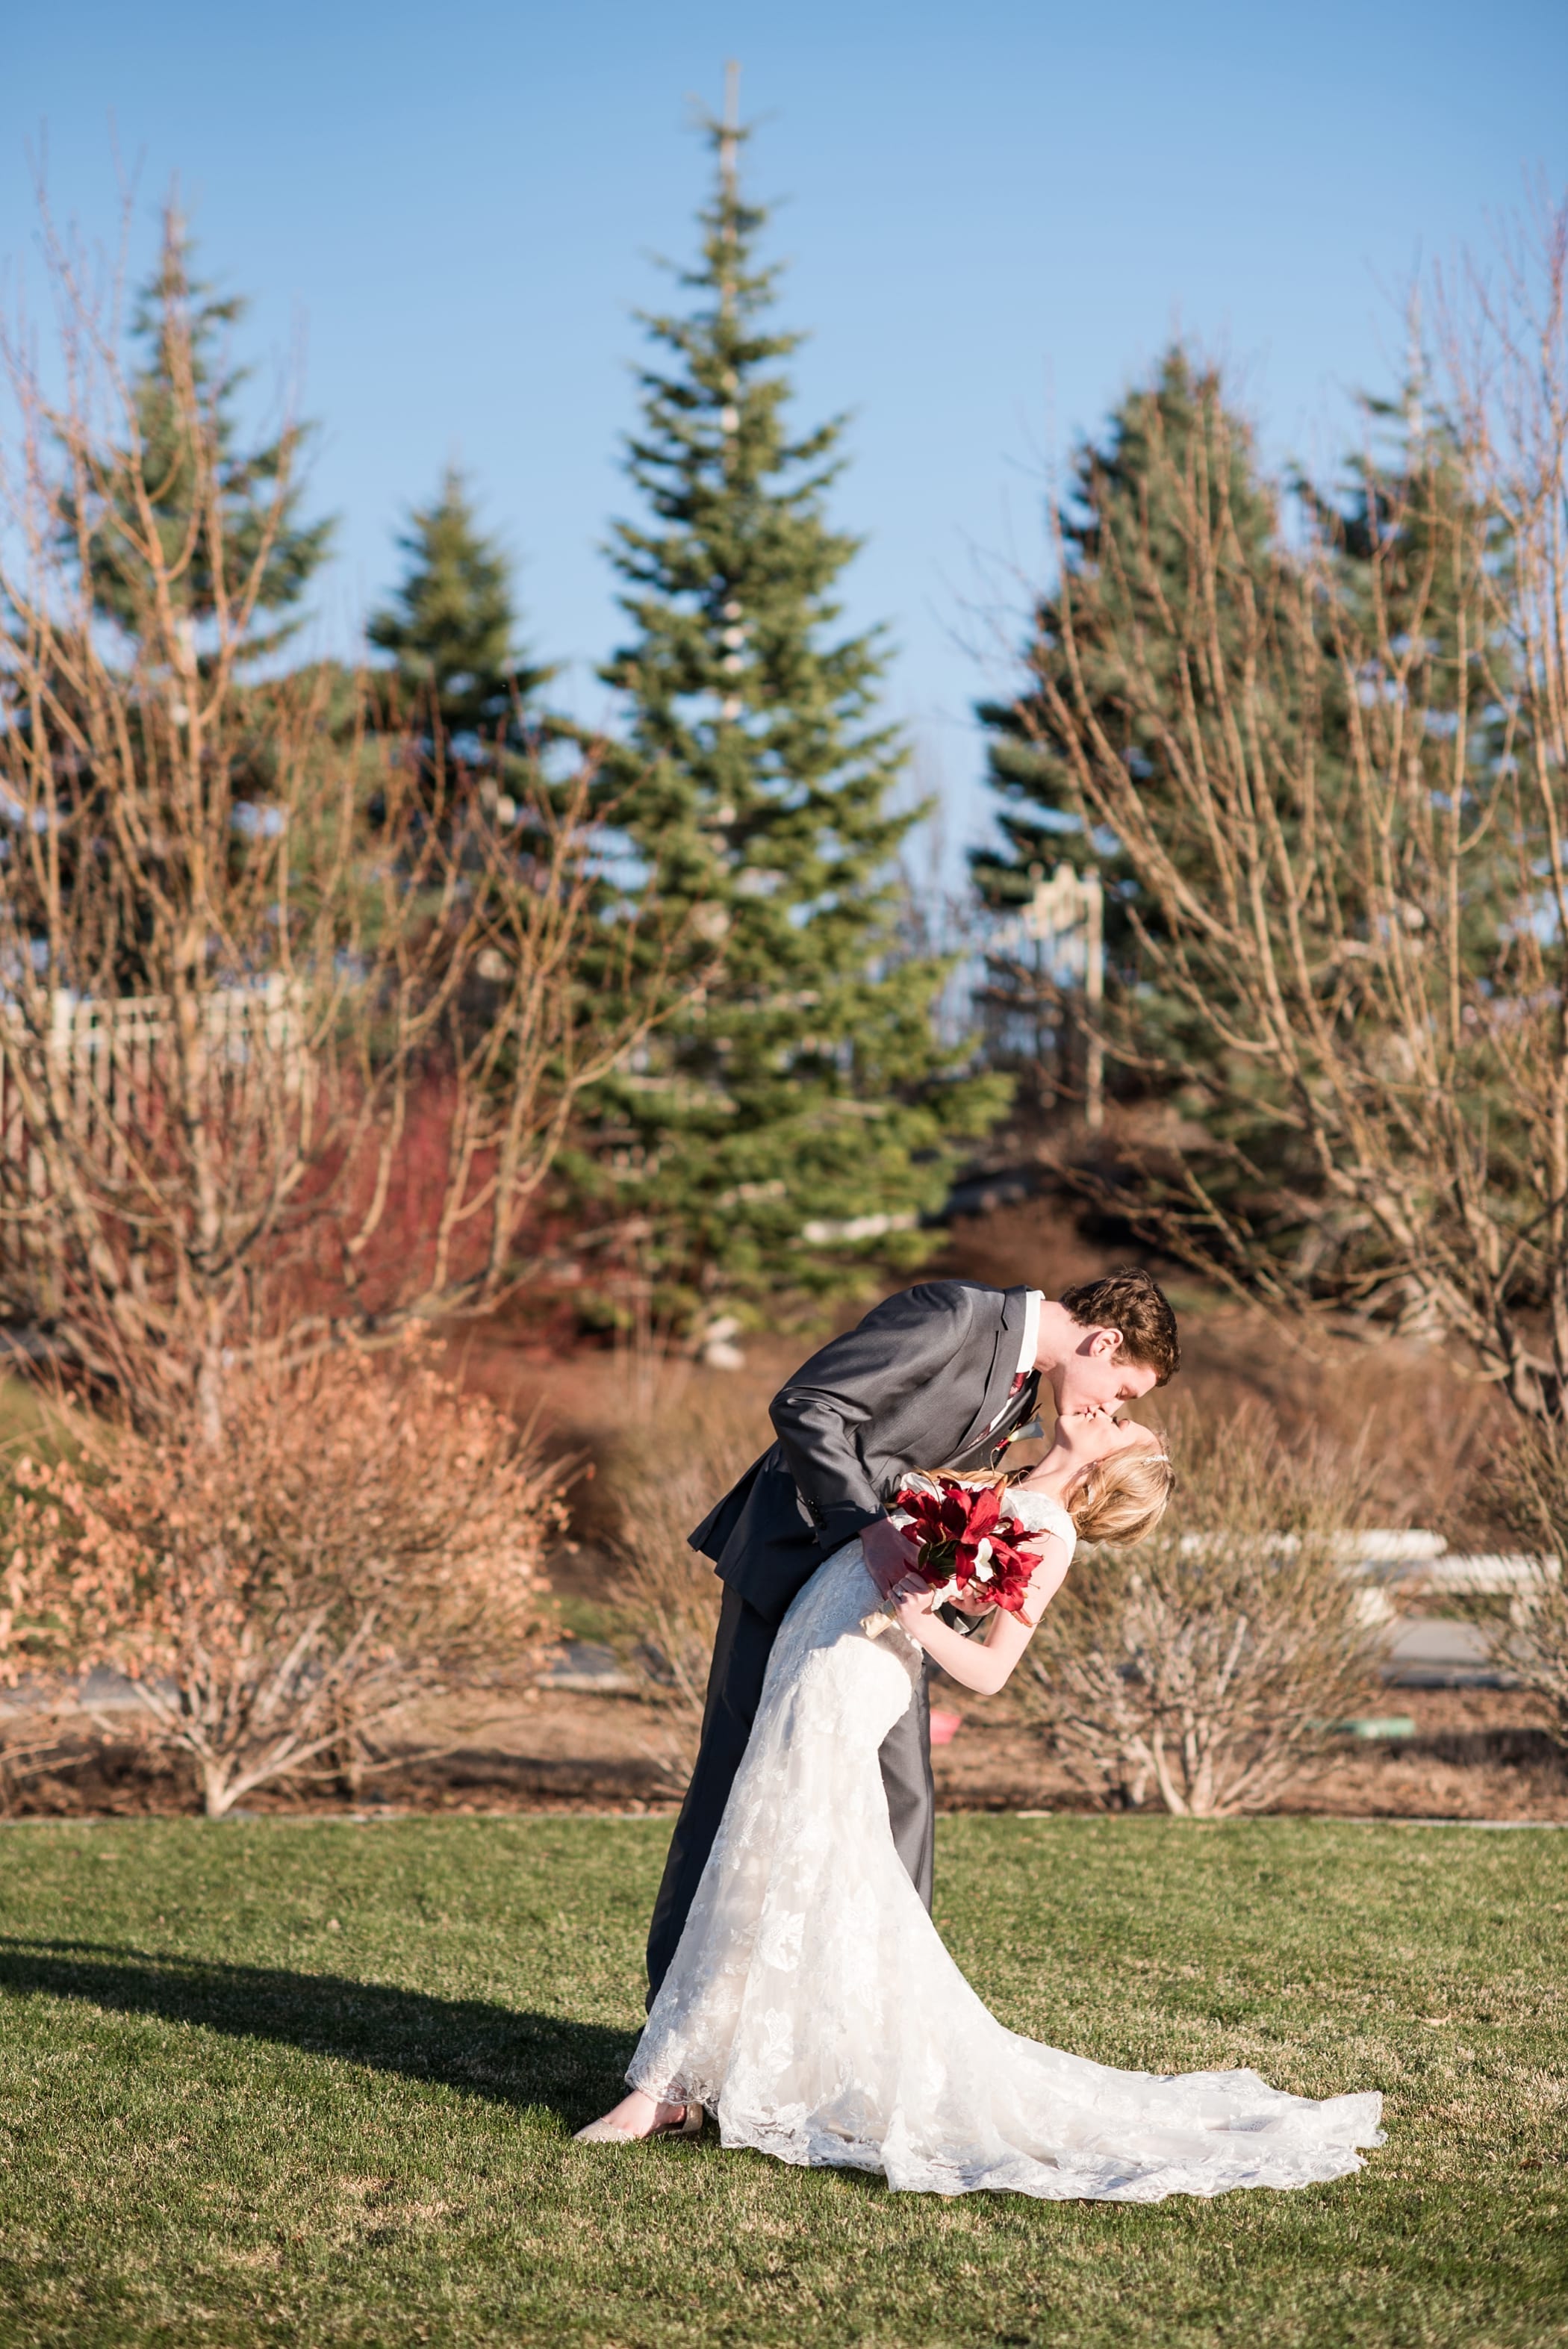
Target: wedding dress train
point(813, 2008)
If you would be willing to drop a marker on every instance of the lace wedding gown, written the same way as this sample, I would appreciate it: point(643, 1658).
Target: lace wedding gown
point(813, 2008)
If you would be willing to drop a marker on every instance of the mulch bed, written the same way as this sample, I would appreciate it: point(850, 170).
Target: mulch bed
point(1477, 1754)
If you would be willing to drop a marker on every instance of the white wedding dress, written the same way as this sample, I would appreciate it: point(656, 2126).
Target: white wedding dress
point(813, 2008)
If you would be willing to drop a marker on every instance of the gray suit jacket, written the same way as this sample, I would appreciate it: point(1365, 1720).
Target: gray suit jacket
point(917, 1384)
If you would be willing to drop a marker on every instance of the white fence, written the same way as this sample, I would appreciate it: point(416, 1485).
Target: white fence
point(113, 1057)
point(1426, 1561)
point(110, 1051)
point(1057, 939)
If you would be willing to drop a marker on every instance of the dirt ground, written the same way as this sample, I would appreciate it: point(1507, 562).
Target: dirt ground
point(1478, 1754)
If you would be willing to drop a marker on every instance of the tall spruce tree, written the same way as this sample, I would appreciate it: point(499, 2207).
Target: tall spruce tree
point(1174, 466)
point(1126, 535)
point(787, 1135)
point(1171, 548)
point(181, 327)
point(1398, 527)
point(451, 629)
point(235, 558)
point(1125, 546)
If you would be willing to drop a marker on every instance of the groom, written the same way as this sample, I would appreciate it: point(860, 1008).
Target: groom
point(937, 1377)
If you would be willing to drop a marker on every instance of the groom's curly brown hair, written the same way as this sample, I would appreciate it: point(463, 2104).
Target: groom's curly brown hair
point(1129, 1301)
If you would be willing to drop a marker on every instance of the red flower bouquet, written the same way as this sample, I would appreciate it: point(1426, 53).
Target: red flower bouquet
point(960, 1550)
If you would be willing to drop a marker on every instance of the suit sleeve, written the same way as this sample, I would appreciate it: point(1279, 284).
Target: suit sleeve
point(901, 1344)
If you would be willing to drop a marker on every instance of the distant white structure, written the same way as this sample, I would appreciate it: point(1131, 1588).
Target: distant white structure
point(1061, 931)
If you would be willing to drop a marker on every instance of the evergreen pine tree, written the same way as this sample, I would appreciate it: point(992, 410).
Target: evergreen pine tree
point(1403, 529)
point(1127, 550)
point(229, 581)
point(1131, 575)
point(1396, 544)
point(1175, 449)
point(799, 1124)
point(451, 629)
point(180, 324)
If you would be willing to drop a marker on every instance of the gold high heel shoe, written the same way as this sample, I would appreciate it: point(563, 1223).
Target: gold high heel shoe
point(689, 2124)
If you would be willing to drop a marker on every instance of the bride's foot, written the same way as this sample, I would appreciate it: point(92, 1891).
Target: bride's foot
point(639, 2116)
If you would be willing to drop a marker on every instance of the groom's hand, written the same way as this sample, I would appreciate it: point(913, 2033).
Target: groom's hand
point(888, 1555)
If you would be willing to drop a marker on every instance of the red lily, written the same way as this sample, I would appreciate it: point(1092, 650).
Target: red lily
point(956, 1530)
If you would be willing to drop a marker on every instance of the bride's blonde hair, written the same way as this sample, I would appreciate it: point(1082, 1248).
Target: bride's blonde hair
point(1119, 1499)
point(1122, 1498)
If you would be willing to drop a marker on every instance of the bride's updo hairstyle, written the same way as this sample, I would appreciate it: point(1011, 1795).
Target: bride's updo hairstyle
point(1122, 1498)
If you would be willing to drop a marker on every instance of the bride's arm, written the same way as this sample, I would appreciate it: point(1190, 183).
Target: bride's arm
point(986, 1665)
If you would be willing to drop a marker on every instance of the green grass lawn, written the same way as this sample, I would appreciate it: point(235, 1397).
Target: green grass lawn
point(316, 2083)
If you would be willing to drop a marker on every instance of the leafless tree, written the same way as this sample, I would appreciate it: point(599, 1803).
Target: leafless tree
point(1351, 877)
point(230, 1010)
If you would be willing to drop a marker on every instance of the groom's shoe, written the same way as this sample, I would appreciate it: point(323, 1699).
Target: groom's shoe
point(688, 2123)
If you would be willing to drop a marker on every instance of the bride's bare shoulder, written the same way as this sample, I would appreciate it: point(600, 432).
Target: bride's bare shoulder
point(1038, 1513)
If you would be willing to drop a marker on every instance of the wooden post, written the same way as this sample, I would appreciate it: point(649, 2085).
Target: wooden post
point(1094, 997)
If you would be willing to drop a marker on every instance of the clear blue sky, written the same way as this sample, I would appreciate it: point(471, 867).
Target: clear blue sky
point(996, 214)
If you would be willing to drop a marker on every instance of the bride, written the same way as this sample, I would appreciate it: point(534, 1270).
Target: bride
point(812, 2006)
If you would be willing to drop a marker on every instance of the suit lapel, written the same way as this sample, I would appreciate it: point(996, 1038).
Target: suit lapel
point(1022, 1406)
point(987, 1447)
point(1006, 1339)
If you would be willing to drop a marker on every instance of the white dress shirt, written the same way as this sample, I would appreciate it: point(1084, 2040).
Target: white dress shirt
point(1031, 1345)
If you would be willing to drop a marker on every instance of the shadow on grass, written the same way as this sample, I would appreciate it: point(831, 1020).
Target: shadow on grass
point(516, 2057)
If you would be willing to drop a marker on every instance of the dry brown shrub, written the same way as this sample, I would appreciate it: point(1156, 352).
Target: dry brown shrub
point(664, 1477)
point(359, 1534)
point(1531, 1481)
point(1203, 1667)
point(35, 1725)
